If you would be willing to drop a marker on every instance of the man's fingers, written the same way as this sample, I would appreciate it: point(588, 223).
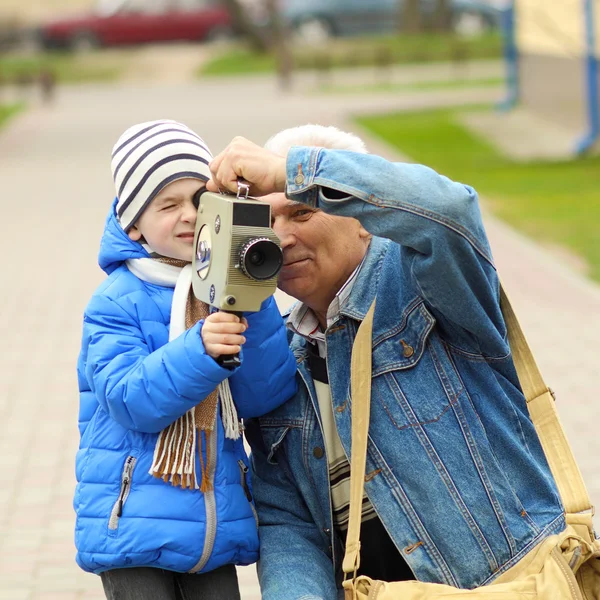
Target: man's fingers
point(215, 163)
point(212, 186)
point(261, 168)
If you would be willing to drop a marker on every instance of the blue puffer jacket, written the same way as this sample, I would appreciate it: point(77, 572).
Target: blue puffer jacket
point(132, 385)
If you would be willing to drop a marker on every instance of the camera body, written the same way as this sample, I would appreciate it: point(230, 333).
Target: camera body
point(237, 256)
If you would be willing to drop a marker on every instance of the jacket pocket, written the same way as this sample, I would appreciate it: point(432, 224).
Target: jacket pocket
point(246, 487)
point(412, 376)
point(117, 509)
point(273, 438)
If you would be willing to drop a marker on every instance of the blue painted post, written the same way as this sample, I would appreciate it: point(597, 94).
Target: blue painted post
point(591, 64)
point(511, 58)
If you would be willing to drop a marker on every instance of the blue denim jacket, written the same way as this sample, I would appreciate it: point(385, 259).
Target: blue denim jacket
point(454, 469)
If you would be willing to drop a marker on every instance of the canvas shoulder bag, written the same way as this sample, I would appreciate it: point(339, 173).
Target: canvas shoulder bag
point(563, 566)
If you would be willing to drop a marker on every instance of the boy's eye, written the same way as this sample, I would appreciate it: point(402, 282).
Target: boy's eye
point(168, 207)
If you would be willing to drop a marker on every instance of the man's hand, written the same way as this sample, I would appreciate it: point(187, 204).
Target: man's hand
point(222, 334)
point(242, 159)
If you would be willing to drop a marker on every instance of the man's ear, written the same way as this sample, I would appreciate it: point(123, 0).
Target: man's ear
point(134, 234)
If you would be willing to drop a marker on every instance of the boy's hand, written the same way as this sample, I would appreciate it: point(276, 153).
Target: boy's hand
point(222, 334)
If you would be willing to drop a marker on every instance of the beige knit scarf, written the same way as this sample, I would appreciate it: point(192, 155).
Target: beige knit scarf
point(174, 458)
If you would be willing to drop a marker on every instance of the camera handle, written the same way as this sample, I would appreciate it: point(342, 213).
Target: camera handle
point(230, 361)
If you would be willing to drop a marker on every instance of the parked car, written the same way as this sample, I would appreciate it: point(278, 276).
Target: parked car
point(121, 22)
point(314, 21)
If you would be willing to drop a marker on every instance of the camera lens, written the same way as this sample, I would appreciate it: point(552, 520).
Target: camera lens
point(256, 259)
point(261, 259)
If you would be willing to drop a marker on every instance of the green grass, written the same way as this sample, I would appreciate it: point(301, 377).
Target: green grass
point(369, 51)
point(67, 68)
point(417, 86)
point(7, 111)
point(556, 203)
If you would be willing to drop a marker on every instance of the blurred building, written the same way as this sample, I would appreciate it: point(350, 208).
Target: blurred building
point(557, 49)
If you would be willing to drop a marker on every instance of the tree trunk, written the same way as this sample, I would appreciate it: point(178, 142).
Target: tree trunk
point(410, 16)
point(442, 19)
point(242, 24)
point(280, 45)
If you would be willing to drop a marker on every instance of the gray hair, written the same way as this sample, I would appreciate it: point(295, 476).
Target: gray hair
point(315, 135)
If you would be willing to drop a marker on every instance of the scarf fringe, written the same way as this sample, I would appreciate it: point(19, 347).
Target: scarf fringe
point(178, 467)
point(229, 415)
point(169, 462)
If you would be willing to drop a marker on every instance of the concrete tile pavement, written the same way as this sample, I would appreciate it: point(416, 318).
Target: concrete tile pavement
point(54, 165)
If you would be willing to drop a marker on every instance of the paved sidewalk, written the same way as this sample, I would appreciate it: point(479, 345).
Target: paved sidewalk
point(54, 166)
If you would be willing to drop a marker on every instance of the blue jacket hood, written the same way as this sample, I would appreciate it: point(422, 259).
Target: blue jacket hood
point(116, 246)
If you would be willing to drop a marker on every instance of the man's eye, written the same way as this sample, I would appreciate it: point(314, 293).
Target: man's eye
point(302, 213)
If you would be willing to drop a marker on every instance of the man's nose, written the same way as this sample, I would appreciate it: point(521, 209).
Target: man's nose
point(285, 233)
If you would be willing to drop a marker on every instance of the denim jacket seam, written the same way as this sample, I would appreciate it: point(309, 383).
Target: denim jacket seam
point(409, 363)
point(473, 356)
point(309, 413)
point(413, 518)
point(432, 216)
point(274, 423)
point(479, 465)
point(478, 462)
point(418, 422)
point(454, 395)
point(449, 484)
point(550, 529)
point(497, 509)
point(411, 307)
point(308, 180)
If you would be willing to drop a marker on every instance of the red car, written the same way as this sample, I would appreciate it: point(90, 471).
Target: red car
point(120, 22)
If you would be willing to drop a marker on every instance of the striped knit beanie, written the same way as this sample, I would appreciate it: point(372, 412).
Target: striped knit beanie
point(150, 156)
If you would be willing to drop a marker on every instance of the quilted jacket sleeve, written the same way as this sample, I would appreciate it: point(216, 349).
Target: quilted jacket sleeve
point(267, 377)
point(142, 390)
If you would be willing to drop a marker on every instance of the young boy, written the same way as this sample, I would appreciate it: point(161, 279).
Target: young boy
point(162, 473)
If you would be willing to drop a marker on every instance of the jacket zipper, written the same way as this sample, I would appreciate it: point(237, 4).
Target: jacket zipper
point(210, 507)
point(243, 474)
point(117, 509)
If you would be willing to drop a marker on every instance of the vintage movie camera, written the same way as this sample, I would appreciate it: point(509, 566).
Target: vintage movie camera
point(237, 256)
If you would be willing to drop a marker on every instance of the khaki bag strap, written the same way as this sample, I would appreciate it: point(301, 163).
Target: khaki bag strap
point(360, 381)
point(542, 410)
point(540, 403)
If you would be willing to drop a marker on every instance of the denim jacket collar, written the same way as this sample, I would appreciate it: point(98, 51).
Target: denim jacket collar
point(366, 284)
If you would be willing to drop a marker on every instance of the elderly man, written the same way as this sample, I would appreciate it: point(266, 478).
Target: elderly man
point(457, 488)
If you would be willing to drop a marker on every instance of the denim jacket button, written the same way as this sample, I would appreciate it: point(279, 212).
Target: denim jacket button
point(318, 452)
point(408, 350)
